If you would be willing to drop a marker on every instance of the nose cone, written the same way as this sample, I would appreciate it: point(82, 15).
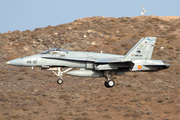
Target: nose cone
point(16, 62)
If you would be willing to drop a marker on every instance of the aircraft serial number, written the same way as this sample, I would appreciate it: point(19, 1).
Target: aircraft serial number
point(32, 61)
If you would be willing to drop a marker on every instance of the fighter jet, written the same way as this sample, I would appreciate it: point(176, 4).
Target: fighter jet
point(91, 64)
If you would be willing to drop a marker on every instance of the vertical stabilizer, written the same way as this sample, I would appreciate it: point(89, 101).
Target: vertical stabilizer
point(142, 50)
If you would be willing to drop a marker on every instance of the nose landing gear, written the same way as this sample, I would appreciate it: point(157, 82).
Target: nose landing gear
point(60, 81)
point(59, 73)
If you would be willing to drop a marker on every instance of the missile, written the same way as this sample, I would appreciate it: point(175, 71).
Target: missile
point(86, 73)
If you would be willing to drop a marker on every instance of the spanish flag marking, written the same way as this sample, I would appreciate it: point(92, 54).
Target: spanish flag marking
point(139, 67)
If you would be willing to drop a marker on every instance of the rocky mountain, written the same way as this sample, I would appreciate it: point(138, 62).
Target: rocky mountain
point(34, 94)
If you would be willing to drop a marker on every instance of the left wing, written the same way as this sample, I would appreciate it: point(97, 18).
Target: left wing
point(69, 59)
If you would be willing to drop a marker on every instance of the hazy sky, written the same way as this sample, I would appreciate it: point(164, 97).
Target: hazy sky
point(30, 14)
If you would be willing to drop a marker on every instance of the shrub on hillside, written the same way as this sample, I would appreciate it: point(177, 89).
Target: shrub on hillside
point(171, 37)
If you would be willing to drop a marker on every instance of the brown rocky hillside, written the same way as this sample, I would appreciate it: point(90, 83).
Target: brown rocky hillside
point(27, 94)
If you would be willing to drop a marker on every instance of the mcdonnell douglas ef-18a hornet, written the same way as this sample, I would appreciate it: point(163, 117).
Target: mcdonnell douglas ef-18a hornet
point(90, 64)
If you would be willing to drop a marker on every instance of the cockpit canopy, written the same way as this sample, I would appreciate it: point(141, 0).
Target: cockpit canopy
point(54, 51)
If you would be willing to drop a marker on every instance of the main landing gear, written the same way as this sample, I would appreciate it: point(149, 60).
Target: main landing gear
point(109, 83)
point(60, 74)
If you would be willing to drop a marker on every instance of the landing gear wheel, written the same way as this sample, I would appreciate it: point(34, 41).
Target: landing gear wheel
point(106, 84)
point(59, 81)
point(109, 84)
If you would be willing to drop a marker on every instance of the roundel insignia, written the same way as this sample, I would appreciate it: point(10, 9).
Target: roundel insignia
point(139, 66)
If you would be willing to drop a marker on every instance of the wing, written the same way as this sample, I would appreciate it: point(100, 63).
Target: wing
point(69, 59)
point(101, 61)
point(110, 60)
point(103, 64)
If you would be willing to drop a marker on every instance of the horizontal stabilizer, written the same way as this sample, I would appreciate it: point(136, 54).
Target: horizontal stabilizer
point(171, 61)
point(157, 65)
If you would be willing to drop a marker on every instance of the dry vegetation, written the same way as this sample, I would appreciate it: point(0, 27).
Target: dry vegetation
point(27, 94)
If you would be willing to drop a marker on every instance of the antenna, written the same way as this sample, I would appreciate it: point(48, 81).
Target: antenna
point(143, 11)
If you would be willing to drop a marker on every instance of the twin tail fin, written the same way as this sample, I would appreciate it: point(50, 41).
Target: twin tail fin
point(142, 50)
